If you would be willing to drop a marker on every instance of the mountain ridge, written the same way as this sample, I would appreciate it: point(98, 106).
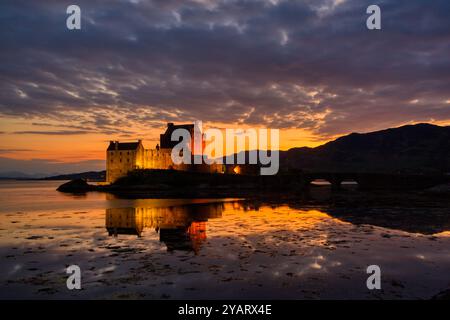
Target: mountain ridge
point(419, 148)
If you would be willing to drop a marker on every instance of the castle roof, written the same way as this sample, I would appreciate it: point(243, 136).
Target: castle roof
point(172, 127)
point(165, 138)
point(123, 145)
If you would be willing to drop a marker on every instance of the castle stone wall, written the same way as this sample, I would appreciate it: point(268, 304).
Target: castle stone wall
point(120, 162)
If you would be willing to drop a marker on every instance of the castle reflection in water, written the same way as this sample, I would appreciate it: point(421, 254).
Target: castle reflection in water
point(179, 227)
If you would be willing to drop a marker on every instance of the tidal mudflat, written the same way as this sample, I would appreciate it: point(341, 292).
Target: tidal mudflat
point(209, 249)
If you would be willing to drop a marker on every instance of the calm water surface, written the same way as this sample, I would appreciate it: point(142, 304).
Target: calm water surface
point(211, 248)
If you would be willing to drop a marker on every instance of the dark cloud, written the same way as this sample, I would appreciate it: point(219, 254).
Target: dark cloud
point(309, 64)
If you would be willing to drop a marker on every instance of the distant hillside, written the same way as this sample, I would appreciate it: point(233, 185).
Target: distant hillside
point(420, 148)
point(90, 176)
point(17, 175)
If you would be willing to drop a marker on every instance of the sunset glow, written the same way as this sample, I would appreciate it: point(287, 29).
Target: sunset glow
point(65, 94)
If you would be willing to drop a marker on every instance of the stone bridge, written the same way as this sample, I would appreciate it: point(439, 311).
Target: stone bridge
point(377, 180)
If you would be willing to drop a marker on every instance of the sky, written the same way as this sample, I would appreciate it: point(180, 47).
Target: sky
point(310, 68)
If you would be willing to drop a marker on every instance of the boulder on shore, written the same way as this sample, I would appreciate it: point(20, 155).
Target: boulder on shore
point(75, 186)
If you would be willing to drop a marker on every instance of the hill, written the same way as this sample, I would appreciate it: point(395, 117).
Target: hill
point(420, 148)
point(89, 176)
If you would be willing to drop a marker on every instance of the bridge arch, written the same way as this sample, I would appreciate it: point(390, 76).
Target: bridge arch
point(349, 184)
point(335, 180)
point(334, 184)
point(320, 182)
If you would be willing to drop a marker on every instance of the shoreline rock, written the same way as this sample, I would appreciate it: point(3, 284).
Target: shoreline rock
point(76, 186)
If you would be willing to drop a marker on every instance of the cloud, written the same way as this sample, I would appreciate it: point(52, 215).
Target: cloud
point(301, 64)
point(54, 133)
point(45, 167)
point(2, 150)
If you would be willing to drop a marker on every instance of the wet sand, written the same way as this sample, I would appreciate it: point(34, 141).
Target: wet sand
point(269, 252)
